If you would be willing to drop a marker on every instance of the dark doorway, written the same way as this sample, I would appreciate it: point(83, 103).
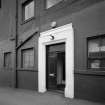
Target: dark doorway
point(55, 63)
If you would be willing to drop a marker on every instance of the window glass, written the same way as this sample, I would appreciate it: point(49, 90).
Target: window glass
point(28, 58)
point(102, 44)
point(94, 45)
point(96, 52)
point(28, 10)
point(7, 59)
point(0, 3)
point(94, 63)
point(50, 3)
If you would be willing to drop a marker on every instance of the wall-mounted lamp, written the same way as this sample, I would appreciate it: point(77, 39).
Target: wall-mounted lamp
point(51, 37)
point(53, 24)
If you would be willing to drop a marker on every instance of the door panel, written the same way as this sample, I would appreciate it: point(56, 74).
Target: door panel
point(60, 70)
point(52, 68)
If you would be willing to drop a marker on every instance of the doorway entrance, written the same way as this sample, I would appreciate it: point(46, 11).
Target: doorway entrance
point(55, 73)
point(54, 76)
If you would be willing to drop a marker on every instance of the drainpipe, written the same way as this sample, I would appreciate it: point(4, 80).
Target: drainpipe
point(16, 43)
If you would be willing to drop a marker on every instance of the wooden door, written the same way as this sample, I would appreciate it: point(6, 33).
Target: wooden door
point(52, 53)
point(52, 70)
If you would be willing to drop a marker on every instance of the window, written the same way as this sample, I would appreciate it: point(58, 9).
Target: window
point(96, 52)
point(0, 3)
point(50, 3)
point(7, 60)
point(28, 9)
point(28, 58)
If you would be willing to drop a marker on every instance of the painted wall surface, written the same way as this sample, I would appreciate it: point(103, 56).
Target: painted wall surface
point(7, 31)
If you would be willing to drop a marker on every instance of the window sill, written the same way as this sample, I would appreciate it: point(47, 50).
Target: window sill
point(28, 20)
point(26, 69)
point(8, 69)
point(95, 72)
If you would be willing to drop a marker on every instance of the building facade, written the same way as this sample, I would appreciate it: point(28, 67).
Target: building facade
point(54, 45)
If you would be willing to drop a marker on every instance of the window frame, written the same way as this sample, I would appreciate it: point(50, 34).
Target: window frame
point(100, 37)
point(60, 5)
point(22, 59)
point(24, 4)
point(4, 64)
point(52, 5)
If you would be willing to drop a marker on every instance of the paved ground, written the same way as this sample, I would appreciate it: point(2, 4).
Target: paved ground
point(25, 97)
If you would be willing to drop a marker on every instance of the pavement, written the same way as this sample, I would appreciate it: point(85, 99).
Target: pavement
point(10, 96)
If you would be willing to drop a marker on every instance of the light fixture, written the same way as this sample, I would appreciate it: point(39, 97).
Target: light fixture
point(51, 37)
point(53, 24)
